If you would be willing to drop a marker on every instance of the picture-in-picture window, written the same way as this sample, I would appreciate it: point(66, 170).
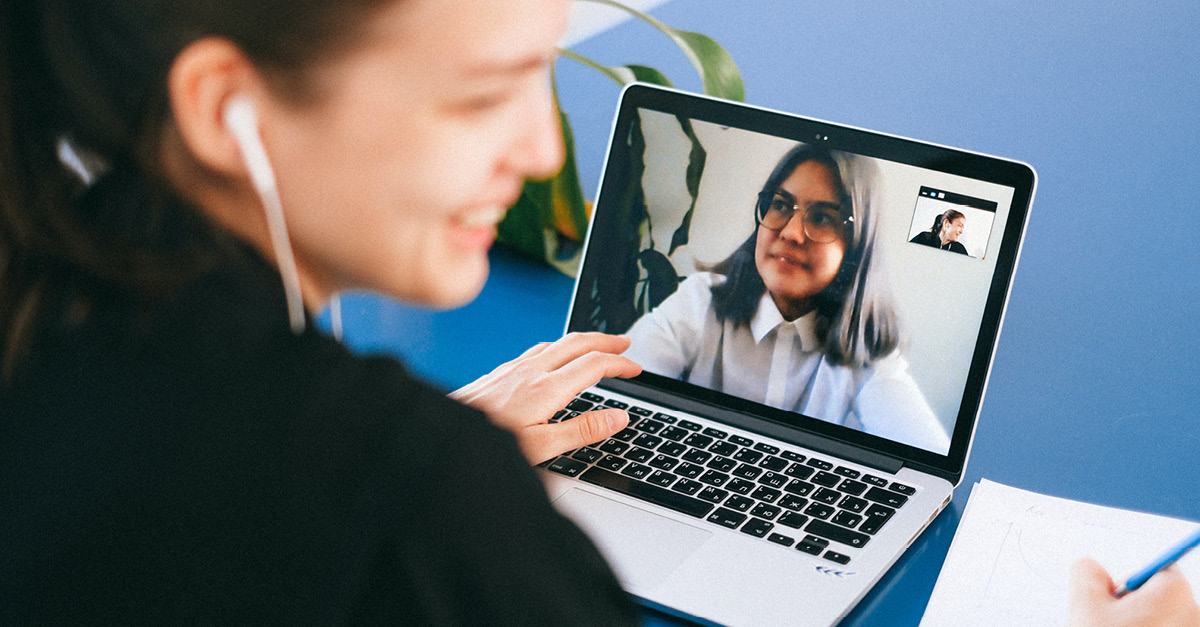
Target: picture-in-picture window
point(952, 222)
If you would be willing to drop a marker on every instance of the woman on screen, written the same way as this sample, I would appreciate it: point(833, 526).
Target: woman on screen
point(799, 316)
point(947, 228)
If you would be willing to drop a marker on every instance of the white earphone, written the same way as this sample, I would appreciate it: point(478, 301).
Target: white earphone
point(242, 121)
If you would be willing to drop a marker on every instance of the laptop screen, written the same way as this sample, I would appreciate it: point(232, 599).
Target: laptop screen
point(829, 278)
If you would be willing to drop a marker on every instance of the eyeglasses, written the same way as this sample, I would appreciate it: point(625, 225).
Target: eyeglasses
point(823, 222)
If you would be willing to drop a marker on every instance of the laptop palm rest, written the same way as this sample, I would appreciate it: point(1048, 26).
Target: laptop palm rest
point(643, 547)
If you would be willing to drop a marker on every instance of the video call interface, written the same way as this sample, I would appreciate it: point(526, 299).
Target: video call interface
point(703, 199)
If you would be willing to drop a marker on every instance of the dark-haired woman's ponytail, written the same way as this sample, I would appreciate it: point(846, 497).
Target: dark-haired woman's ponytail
point(937, 224)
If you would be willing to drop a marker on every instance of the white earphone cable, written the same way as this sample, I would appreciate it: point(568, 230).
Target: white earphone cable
point(242, 121)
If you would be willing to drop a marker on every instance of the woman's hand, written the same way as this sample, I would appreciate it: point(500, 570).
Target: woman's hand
point(523, 394)
point(1165, 600)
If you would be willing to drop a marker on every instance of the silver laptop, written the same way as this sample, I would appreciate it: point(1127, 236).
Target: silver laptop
point(816, 308)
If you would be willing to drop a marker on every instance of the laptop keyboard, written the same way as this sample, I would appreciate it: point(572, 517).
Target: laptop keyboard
point(760, 489)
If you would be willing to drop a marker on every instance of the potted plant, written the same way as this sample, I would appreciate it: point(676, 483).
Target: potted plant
point(551, 216)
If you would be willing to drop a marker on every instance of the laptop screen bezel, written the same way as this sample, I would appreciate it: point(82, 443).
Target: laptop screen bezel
point(1016, 175)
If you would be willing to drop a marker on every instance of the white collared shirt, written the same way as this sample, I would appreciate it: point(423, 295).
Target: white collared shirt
point(781, 364)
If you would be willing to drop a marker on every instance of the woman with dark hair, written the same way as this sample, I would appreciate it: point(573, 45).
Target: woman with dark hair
point(947, 228)
point(181, 184)
point(799, 317)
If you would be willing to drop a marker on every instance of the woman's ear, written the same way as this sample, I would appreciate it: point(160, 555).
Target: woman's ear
point(205, 78)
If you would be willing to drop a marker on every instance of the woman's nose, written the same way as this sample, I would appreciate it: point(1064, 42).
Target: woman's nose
point(794, 229)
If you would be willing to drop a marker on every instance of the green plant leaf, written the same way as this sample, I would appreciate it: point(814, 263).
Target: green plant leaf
point(566, 193)
point(697, 157)
point(649, 75)
point(718, 72)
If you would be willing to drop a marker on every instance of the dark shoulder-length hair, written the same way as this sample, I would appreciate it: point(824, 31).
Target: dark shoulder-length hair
point(856, 319)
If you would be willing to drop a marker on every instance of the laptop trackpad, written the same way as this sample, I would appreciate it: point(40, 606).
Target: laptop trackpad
point(642, 547)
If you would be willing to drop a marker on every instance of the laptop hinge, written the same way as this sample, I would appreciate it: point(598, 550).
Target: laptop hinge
point(761, 426)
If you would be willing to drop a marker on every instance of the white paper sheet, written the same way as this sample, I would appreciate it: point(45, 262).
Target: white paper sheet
point(1010, 559)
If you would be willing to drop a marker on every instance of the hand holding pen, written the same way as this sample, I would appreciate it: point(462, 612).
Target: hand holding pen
point(1163, 598)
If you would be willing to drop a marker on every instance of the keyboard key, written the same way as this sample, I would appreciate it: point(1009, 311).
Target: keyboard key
point(827, 496)
point(591, 397)
point(873, 480)
point(587, 455)
point(886, 497)
point(662, 478)
point(723, 448)
point(713, 495)
point(689, 470)
point(827, 479)
point(819, 510)
point(793, 520)
point(793, 502)
point(665, 418)
point(876, 516)
point(903, 489)
point(847, 472)
point(612, 462)
point(741, 486)
point(746, 471)
point(774, 480)
point(637, 471)
point(739, 503)
point(625, 435)
point(674, 434)
point(715, 433)
point(799, 488)
point(640, 411)
point(770, 462)
point(697, 456)
point(698, 440)
point(580, 405)
point(799, 471)
point(687, 486)
point(819, 464)
point(837, 534)
point(851, 486)
point(567, 466)
point(853, 504)
point(847, 519)
point(779, 538)
point(768, 512)
point(748, 456)
point(689, 425)
point(639, 454)
point(662, 462)
point(757, 528)
point(723, 464)
point(792, 456)
point(765, 494)
point(714, 478)
point(645, 491)
point(727, 517)
point(769, 449)
point(740, 441)
point(647, 441)
point(812, 545)
point(615, 403)
point(674, 449)
point(837, 557)
point(615, 447)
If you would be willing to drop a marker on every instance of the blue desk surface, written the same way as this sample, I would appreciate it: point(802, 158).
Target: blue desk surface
point(1096, 381)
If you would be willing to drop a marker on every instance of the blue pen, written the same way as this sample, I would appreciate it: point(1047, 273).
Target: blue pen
point(1163, 561)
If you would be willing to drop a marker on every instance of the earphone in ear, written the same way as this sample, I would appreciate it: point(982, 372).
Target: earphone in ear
point(241, 120)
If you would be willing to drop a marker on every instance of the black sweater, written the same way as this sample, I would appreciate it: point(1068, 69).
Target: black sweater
point(194, 462)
